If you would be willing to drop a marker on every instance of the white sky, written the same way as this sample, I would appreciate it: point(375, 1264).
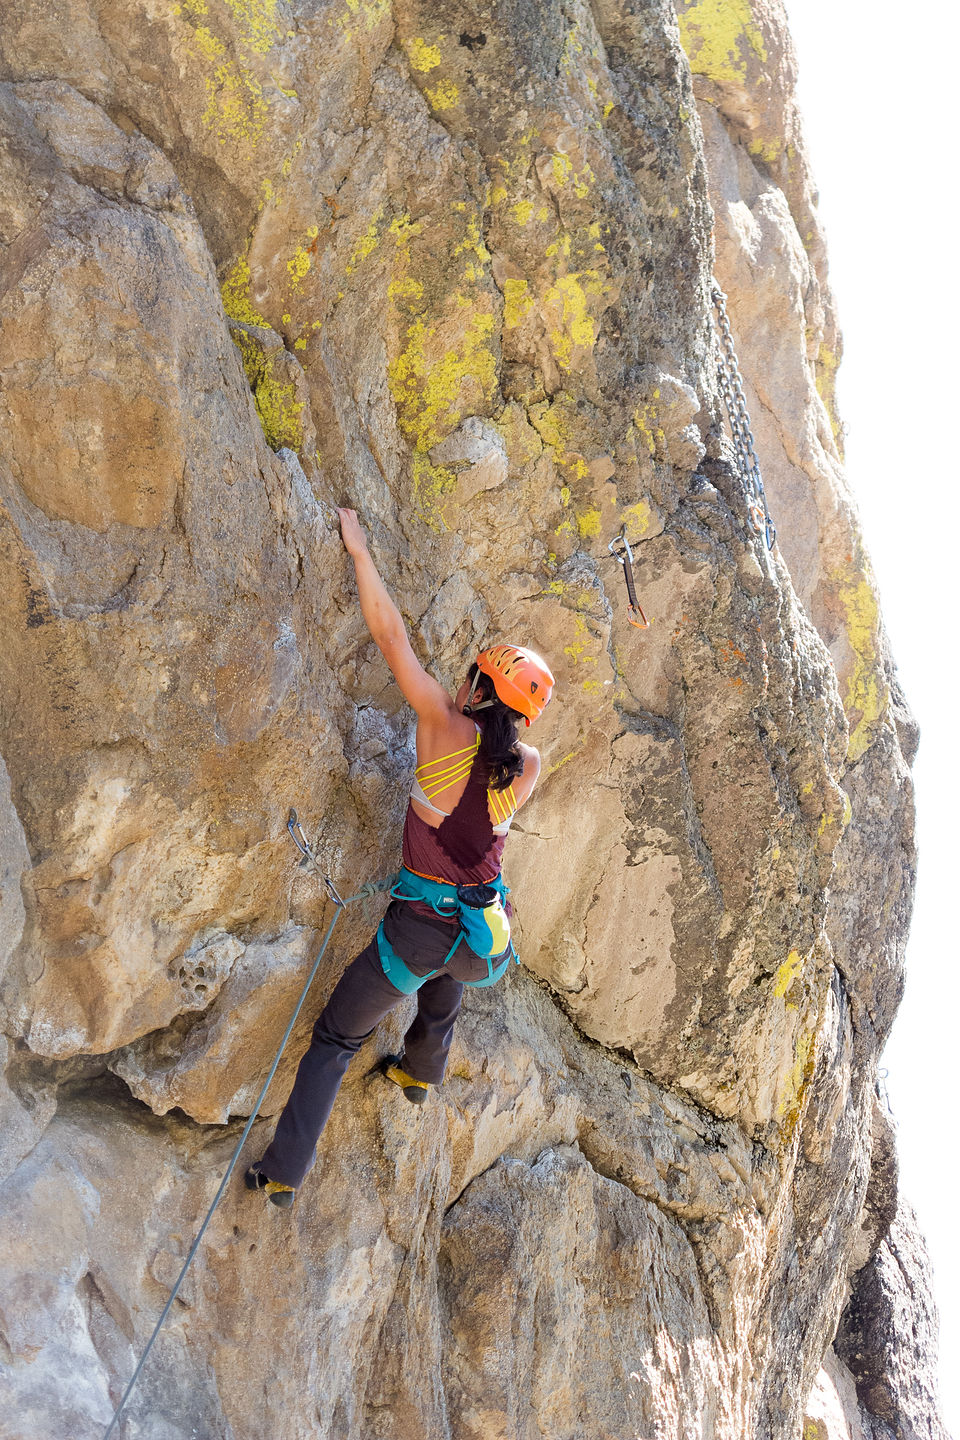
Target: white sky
point(876, 90)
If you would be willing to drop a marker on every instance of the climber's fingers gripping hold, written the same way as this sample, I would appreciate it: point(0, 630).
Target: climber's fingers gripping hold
point(353, 537)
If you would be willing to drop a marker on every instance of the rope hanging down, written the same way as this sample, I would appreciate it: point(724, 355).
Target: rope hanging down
point(309, 862)
point(731, 388)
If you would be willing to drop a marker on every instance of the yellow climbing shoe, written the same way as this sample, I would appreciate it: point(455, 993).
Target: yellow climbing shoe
point(282, 1195)
point(414, 1090)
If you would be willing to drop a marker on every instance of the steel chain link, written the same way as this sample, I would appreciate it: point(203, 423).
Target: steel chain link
point(731, 389)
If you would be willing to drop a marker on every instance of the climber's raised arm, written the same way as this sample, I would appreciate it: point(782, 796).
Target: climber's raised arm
point(385, 623)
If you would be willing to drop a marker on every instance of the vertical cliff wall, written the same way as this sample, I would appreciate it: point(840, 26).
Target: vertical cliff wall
point(451, 265)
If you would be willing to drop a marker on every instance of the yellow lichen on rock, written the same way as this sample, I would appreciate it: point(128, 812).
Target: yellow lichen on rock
point(794, 1086)
point(300, 262)
point(517, 301)
point(563, 171)
point(275, 398)
point(788, 972)
point(236, 295)
point(445, 367)
point(719, 36)
point(236, 109)
point(279, 411)
point(427, 388)
point(368, 244)
point(825, 372)
point(640, 514)
point(576, 327)
point(867, 692)
point(430, 484)
point(260, 28)
point(423, 57)
point(443, 96)
point(645, 421)
point(364, 14)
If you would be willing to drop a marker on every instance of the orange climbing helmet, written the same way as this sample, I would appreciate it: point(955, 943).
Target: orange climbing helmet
point(521, 679)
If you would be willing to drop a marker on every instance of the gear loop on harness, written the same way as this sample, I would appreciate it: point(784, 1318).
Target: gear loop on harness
point(730, 384)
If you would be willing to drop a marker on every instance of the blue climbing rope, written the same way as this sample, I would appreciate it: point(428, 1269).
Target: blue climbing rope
point(365, 892)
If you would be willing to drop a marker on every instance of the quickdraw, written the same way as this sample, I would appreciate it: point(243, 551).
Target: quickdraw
point(625, 557)
point(731, 388)
point(309, 860)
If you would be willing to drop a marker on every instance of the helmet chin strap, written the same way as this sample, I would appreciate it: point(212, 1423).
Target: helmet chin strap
point(469, 708)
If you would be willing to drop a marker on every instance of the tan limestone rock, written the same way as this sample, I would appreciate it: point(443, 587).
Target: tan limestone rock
point(450, 267)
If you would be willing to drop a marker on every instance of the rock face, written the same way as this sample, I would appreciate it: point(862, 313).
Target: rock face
point(451, 265)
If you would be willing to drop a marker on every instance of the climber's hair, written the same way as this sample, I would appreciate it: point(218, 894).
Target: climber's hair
point(499, 746)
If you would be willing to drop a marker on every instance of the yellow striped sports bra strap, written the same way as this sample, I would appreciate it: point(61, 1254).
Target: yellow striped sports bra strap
point(462, 766)
point(467, 750)
point(503, 803)
point(435, 784)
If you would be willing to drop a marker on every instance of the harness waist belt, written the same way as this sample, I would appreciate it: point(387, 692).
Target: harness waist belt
point(443, 899)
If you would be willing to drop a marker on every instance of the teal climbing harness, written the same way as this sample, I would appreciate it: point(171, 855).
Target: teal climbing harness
point(482, 922)
point(309, 860)
point(731, 388)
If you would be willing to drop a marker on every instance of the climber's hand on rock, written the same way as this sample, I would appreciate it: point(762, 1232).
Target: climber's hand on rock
point(353, 537)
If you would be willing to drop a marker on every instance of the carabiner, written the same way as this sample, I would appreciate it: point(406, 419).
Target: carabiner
point(299, 839)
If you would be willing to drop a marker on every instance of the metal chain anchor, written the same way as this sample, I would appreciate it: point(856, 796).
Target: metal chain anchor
point(731, 388)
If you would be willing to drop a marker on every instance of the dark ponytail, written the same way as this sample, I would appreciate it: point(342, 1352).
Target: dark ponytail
point(499, 746)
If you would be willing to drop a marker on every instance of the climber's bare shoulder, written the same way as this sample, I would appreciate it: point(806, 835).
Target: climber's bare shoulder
point(525, 781)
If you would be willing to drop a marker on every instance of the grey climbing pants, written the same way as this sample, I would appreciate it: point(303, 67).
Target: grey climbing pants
point(359, 1001)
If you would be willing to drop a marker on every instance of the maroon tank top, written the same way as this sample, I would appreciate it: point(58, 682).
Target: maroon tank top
point(462, 849)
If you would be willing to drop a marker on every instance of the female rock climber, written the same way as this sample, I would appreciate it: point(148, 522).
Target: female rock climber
point(447, 925)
